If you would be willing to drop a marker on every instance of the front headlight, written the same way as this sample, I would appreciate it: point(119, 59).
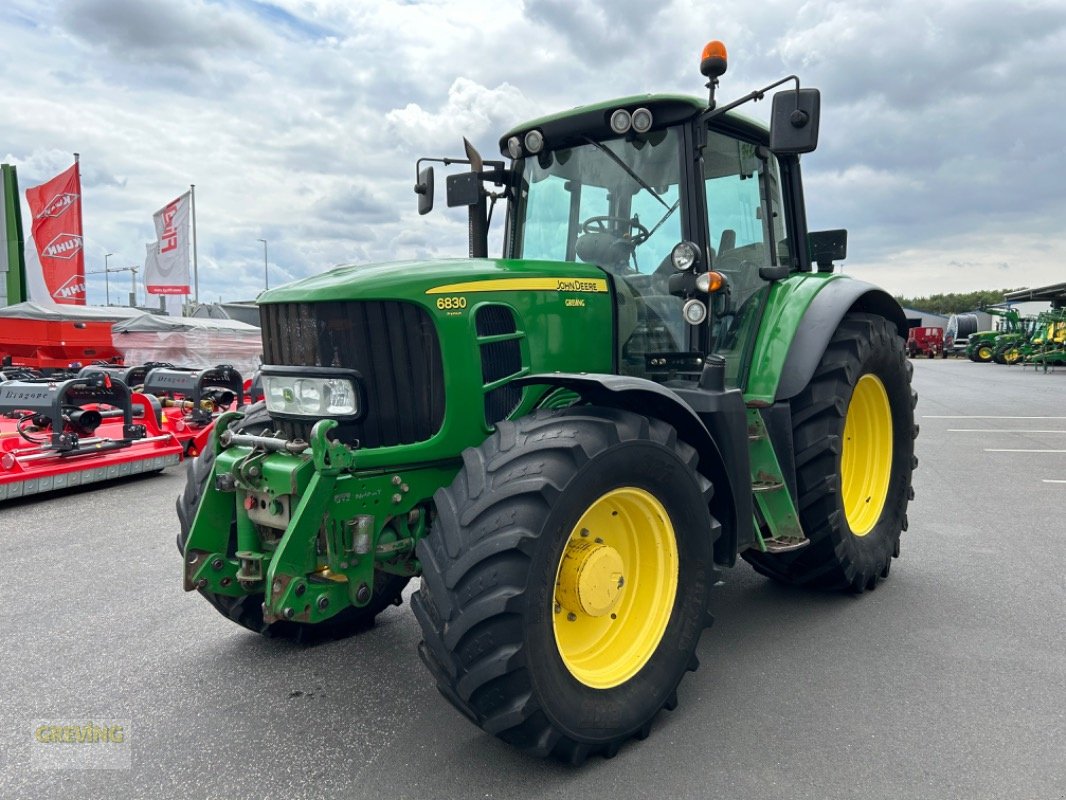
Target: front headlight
point(289, 393)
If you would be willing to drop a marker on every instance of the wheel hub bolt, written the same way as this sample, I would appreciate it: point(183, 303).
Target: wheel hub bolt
point(323, 603)
point(288, 613)
point(216, 564)
point(362, 594)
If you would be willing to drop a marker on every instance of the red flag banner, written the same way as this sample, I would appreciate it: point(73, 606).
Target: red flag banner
point(56, 210)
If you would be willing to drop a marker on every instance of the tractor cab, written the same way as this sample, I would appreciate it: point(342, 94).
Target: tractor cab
point(685, 205)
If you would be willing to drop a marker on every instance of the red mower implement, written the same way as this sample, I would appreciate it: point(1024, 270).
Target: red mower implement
point(59, 434)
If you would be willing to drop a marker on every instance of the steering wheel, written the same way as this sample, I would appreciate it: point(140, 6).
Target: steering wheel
point(602, 225)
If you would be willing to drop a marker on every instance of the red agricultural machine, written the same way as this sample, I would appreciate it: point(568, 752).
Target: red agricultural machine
point(926, 341)
point(66, 430)
point(60, 434)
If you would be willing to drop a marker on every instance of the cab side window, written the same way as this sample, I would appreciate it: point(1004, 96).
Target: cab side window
point(746, 226)
point(743, 190)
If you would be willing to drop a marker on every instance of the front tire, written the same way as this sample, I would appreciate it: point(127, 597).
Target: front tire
point(853, 430)
point(565, 579)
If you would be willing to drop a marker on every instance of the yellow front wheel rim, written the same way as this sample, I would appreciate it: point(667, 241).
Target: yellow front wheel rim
point(866, 455)
point(615, 587)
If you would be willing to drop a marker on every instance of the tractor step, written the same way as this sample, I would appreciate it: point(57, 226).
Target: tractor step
point(772, 497)
point(784, 545)
point(766, 486)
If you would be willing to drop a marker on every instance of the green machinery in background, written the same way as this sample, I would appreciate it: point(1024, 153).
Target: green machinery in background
point(1045, 345)
point(1009, 347)
point(982, 346)
point(659, 373)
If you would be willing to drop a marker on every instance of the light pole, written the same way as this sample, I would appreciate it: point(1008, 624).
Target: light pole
point(107, 283)
point(266, 273)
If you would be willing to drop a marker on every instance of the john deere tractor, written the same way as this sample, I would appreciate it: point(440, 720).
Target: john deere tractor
point(983, 344)
point(659, 373)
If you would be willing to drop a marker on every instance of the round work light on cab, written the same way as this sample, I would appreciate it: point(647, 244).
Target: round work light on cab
point(684, 256)
point(642, 120)
point(694, 311)
point(621, 121)
point(534, 141)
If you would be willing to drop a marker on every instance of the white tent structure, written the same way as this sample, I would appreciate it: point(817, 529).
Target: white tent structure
point(189, 342)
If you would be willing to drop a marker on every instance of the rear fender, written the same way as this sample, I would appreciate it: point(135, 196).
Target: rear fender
point(718, 432)
point(803, 320)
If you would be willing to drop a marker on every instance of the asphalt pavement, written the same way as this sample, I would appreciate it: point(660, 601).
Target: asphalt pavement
point(947, 681)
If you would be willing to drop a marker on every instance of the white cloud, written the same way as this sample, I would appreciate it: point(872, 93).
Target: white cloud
point(300, 120)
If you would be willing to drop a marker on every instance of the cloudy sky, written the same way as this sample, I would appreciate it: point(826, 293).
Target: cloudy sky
point(300, 121)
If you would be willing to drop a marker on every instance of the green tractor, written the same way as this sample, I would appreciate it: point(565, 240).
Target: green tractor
point(659, 374)
point(982, 345)
point(1010, 347)
point(1047, 345)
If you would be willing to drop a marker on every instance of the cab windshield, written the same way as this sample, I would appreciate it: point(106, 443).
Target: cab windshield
point(615, 204)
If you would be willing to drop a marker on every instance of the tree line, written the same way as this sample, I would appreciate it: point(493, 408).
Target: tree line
point(955, 302)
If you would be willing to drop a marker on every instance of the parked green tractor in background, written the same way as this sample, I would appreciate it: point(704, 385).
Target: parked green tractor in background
point(1008, 348)
point(1047, 345)
point(661, 373)
point(982, 345)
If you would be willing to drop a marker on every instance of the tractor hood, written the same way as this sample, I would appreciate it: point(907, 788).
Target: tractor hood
point(415, 280)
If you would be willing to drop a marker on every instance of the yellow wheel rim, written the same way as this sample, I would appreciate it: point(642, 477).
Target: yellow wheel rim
point(866, 455)
point(615, 587)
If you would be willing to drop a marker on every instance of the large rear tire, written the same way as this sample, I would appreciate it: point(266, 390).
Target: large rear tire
point(853, 429)
point(565, 580)
point(247, 610)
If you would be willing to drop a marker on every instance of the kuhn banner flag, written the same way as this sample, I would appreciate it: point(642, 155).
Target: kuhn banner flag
point(166, 270)
point(56, 210)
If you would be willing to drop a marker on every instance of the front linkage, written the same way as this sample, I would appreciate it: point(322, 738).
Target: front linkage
point(310, 527)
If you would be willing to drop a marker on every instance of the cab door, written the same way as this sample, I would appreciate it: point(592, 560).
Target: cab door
point(745, 218)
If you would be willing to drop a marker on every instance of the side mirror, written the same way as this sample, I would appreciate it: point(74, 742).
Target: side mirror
point(794, 121)
point(825, 247)
point(424, 190)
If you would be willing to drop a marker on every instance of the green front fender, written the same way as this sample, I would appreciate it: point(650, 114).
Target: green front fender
point(800, 315)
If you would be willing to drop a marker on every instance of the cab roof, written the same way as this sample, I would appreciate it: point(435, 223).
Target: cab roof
point(567, 128)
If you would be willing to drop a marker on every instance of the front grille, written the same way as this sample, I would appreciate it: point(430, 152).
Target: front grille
point(393, 345)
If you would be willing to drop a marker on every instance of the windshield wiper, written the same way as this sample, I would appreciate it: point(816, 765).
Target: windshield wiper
point(611, 155)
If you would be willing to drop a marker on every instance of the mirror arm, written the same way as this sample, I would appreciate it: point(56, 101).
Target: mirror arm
point(757, 95)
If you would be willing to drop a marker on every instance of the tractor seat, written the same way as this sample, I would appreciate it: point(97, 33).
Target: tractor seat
point(605, 250)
